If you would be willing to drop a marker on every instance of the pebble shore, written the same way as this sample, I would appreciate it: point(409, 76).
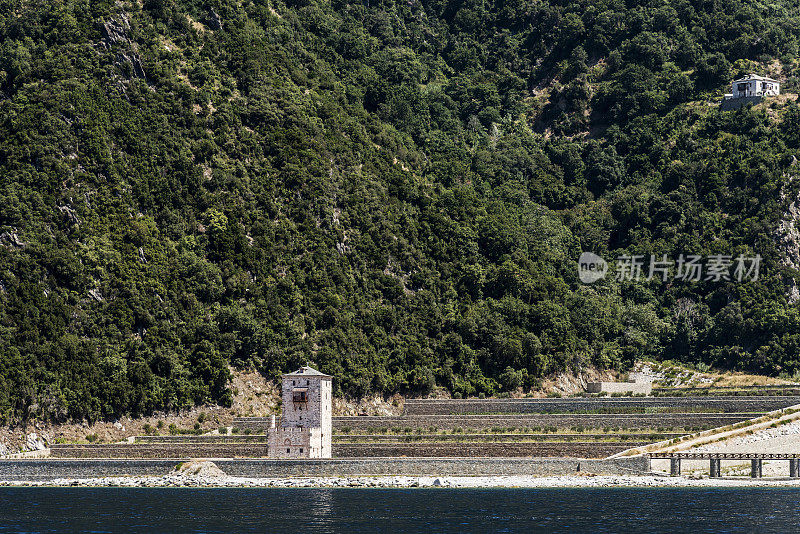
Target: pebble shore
point(584, 481)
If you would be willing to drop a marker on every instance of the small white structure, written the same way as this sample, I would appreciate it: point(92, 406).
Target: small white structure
point(306, 423)
point(754, 86)
point(639, 384)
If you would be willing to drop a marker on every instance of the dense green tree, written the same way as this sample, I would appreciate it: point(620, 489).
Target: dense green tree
point(394, 192)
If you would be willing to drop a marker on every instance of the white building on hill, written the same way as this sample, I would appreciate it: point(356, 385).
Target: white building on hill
point(754, 86)
point(306, 424)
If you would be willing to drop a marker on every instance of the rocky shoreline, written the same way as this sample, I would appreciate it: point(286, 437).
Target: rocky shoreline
point(176, 480)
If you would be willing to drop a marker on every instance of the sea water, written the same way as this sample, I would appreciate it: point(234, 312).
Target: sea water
point(304, 510)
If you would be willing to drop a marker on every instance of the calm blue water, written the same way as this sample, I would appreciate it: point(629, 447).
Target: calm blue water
point(304, 510)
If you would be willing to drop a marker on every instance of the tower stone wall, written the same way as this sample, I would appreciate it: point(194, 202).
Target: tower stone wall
point(306, 422)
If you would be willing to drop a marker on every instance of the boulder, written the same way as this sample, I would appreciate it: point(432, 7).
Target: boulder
point(200, 469)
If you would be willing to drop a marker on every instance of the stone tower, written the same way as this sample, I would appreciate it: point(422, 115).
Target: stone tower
point(306, 423)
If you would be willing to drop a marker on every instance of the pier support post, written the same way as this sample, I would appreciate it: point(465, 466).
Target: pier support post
point(755, 468)
point(794, 467)
point(674, 466)
point(714, 471)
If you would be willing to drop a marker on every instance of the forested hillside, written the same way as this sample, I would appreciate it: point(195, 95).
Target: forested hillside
point(396, 192)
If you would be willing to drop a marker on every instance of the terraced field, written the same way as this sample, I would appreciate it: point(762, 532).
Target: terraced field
point(161, 450)
point(594, 427)
point(602, 405)
point(665, 422)
point(779, 391)
point(497, 438)
point(588, 427)
point(590, 449)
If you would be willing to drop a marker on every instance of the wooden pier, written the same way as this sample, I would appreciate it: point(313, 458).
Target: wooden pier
point(715, 461)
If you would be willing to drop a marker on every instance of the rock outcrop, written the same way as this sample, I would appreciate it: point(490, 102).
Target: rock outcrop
point(116, 37)
point(214, 21)
point(34, 443)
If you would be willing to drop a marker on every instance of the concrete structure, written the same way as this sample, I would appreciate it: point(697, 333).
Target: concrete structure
point(306, 423)
point(715, 461)
point(754, 86)
point(638, 385)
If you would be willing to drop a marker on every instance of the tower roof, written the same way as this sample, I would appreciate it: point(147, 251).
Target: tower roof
point(308, 371)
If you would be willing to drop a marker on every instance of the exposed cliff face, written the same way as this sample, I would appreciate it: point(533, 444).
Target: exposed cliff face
point(788, 231)
point(789, 235)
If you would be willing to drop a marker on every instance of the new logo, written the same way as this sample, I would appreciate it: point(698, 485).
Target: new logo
point(591, 267)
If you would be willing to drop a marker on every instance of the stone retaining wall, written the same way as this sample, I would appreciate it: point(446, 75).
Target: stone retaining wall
point(49, 469)
point(721, 404)
point(736, 103)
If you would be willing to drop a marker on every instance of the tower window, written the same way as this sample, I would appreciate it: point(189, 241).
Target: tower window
point(300, 395)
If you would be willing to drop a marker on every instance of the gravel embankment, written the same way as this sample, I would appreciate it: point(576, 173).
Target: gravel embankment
point(782, 439)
